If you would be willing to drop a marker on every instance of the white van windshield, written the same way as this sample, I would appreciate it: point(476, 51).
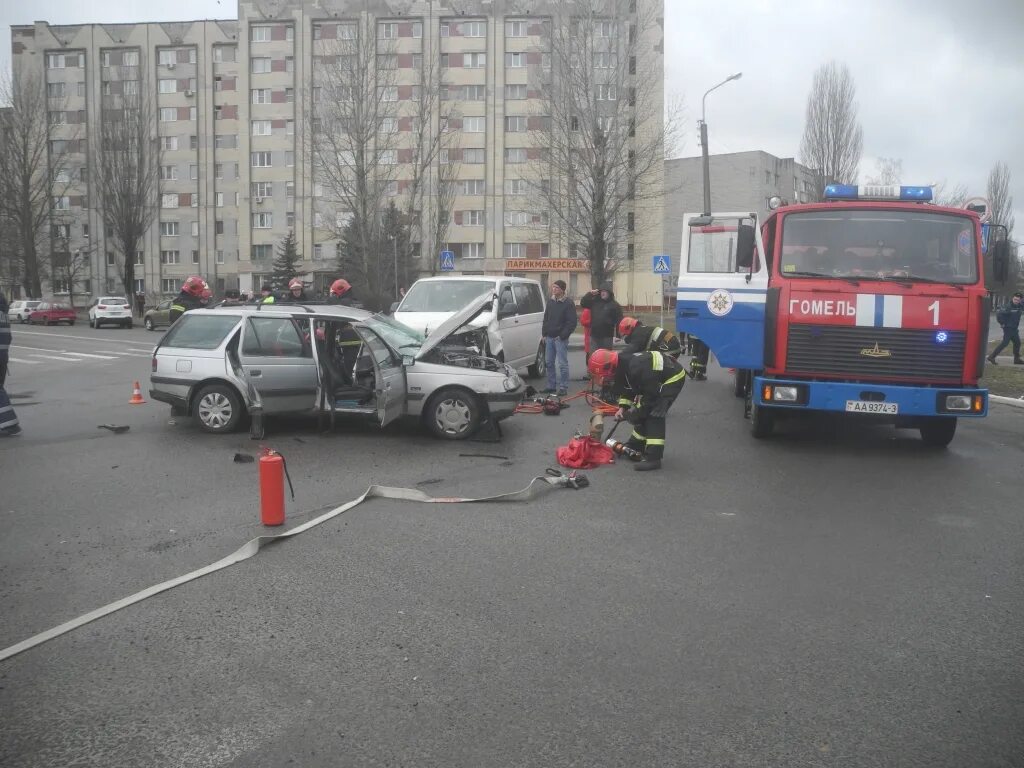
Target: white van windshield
point(441, 295)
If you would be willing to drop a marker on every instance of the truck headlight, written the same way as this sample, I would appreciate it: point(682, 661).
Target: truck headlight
point(958, 403)
point(786, 394)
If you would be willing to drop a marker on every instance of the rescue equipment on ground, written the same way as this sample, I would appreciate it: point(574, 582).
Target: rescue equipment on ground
point(623, 450)
point(584, 452)
point(273, 472)
point(136, 395)
point(553, 478)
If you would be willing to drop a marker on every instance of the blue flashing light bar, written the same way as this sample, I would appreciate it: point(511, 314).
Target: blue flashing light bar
point(877, 192)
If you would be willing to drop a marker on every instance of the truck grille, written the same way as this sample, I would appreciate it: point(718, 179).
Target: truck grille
point(857, 351)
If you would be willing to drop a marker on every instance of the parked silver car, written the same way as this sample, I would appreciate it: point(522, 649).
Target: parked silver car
point(217, 365)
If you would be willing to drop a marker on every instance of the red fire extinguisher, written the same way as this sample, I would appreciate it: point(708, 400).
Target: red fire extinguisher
point(273, 472)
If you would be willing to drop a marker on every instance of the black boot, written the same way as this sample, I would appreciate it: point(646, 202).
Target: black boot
point(992, 359)
point(648, 465)
point(1018, 361)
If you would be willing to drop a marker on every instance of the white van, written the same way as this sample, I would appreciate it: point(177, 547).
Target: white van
point(512, 325)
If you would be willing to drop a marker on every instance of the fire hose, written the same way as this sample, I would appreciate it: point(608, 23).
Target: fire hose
point(552, 479)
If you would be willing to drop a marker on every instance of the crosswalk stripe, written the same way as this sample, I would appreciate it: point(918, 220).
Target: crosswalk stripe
point(20, 360)
point(86, 354)
point(57, 357)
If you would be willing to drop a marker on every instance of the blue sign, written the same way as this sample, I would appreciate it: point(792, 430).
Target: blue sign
point(984, 238)
point(662, 265)
point(447, 261)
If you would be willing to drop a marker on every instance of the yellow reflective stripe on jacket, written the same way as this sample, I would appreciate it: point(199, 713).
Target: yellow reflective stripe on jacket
point(267, 300)
point(678, 377)
point(349, 343)
point(653, 441)
point(179, 307)
point(625, 402)
point(657, 361)
point(637, 436)
point(653, 339)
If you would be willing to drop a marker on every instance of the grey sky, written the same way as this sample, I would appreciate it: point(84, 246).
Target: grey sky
point(939, 81)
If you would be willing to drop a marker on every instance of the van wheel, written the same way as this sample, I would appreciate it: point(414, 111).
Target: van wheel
point(938, 431)
point(217, 408)
point(539, 368)
point(452, 414)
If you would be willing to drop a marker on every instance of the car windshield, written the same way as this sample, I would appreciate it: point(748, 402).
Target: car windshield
point(199, 331)
point(399, 336)
point(442, 295)
point(880, 245)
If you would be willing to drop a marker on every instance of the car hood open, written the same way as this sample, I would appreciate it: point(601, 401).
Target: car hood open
point(481, 303)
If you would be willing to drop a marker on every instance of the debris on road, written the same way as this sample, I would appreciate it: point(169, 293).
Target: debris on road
point(117, 429)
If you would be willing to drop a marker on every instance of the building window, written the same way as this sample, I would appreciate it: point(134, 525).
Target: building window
point(474, 28)
point(516, 187)
point(220, 257)
point(604, 29)
point(473, 156)
point(261, 160)
point(259, 33)
point(168, 114)
point(261, 189)
point(170, 285)
point(515, 92)
point(259, 65)
point(168, 172)
point(516, 28)
point(110, 259)
point(168, 86)
point(140, 258)
point(223, 53)
point(606, 60)
point(474, 60)
point(261, 127)
point(166, 56)
point(262, 220)
point(474, 124)
point(318, 252)
point(260, 95)
point(170, 257)
point(289, 95)
point(473, 218)
point(387, 30)
point(515, 60)
point(169, 143)
point(289, 219)
point(515, 123)
point(225, 141)
point(169, 228)
point(195, 228)
point(513, 156)
point(218, 227)
point(195, 257)
point(289, 127)
point(606, 92)
point(289, 158)
point(515, 250)
point(262, 252)
point(220, 200)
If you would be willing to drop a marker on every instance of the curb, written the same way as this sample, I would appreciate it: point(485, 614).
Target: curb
point(1014, 401)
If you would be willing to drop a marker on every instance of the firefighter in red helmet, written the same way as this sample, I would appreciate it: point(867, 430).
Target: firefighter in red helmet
point(645, 384)
point(341, 293)
point(296, 292)
point(190, 296)
point(642, 338)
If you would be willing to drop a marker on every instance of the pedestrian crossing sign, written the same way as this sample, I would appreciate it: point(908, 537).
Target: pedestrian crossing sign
point(662, 264)
point(447, 261)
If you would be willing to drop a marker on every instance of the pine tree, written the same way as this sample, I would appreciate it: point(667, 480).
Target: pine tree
point(287, 262)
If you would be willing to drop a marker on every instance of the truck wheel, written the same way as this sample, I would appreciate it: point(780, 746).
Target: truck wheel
point(539, 368)
point(739, 383)
point(938, 431)
point(762, 421)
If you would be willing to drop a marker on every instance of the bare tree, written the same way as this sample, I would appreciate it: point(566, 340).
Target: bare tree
point(888, 170)
point(833, 139)
point(31, 166)
point(69, 266)
point(952, 197)
point(127, 154)
point(353, 142)
point(999, 197)
point(598, 81)
point(443, 203)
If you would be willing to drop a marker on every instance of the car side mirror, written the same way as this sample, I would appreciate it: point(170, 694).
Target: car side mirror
point(408, 361)
point(1001, 261)
point(745, 247)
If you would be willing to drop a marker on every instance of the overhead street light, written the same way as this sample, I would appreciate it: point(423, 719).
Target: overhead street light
point(704, 141)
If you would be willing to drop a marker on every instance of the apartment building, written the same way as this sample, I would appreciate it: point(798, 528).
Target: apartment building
point(234, 101)
point(740, 181)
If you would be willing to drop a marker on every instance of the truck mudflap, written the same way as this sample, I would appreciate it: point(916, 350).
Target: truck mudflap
point(869, 399)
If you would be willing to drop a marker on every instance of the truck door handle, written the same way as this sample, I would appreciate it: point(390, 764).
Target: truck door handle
point(255, 373)
point(688, 313)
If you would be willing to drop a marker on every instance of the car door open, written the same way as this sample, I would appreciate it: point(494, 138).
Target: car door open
point(277, 358)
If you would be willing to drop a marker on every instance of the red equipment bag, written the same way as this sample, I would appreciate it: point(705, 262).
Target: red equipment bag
point(584, 453)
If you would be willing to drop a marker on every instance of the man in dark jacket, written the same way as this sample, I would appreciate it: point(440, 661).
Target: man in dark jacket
point(559, 323)
point(605, 314)
point(1009, 319)
point(9, 426)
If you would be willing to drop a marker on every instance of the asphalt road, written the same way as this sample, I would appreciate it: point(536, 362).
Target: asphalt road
point(837, 596)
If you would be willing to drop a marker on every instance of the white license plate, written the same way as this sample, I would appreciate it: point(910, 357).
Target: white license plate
point(863, 406)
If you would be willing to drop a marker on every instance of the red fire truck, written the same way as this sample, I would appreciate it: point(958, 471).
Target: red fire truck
point(872, 302)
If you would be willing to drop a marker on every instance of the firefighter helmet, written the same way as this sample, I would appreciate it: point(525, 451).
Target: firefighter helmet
point(207, 294)
point(340, 287)
point(627, 325)
point(603, 363)
point(295, 283)
point(194, 285)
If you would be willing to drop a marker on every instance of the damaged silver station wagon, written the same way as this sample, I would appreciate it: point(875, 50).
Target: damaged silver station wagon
point(220, 365)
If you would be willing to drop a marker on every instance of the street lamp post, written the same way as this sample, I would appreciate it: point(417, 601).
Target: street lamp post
point(704, 142)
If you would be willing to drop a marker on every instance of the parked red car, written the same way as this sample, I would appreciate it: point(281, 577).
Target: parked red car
point(52, 312)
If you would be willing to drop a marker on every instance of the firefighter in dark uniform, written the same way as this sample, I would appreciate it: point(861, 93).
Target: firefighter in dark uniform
point(643, 338)
point(645, 384)
point(699, 361)
point(190, 297)
point(296, 293)
point(348, 340)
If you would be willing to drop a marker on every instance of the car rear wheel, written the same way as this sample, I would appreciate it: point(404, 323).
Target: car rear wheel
point(149, 324)
point(938, 432)
point(217, 408)
point(453, 414)
point(539, 368)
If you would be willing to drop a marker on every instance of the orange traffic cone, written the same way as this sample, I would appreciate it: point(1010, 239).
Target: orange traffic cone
point(136, 395)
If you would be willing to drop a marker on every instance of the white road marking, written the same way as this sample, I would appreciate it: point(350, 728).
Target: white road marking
point(86, 354)
point(26, 362)
point(127, 353)
point(57, 357)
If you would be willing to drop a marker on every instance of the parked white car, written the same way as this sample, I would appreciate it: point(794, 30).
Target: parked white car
point(21, 309)
point(509, 330)
point(110, 310)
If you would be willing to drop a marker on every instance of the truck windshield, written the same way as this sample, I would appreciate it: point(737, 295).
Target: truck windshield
point(933, 247)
